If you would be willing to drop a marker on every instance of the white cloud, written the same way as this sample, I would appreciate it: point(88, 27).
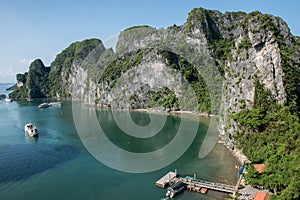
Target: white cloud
point(26, 61)
point(8, 75)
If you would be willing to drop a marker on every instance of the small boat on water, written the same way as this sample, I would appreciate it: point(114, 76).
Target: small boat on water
point(31, 130)
point(7, 100)
point(51, 104)
point(55, 104)
point(44, 105)
point(175, 189)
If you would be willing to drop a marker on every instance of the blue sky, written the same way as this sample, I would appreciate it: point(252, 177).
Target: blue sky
point(42, 29)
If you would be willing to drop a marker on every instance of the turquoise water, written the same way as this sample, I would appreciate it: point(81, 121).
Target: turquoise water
point(58, 166)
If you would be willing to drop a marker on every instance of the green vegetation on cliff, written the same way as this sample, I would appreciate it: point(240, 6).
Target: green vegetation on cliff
point(41, 81)
point(19, 93)
point(35, 82)
point(269, 134)
point(163, 97)
point(289, 54)
point(61, 66)
point(203, 19)
point(114, 70)
point(191, 74)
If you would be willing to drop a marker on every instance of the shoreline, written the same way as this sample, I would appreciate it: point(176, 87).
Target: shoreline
point(236, 152)
point(203, 114)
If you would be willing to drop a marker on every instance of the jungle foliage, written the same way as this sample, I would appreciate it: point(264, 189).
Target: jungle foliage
point(269, 134)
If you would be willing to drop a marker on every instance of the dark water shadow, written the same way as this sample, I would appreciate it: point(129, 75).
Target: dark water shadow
point(19, 162)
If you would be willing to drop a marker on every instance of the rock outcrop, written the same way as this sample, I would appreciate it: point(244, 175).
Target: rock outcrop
point(34, 83)
point(208, 64)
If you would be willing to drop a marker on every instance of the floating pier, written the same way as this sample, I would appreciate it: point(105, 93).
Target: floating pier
point(195, 185)
point(166, 180)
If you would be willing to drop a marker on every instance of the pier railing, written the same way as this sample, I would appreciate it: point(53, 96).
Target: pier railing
point(171, 178)
point(209, 185)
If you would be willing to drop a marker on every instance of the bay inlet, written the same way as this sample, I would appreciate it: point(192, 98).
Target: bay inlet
point(57, 165)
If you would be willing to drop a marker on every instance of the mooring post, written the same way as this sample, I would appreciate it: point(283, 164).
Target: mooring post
point(175, 172)
point(194, 176)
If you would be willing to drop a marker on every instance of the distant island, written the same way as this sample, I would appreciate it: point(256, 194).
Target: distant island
point(255, 90)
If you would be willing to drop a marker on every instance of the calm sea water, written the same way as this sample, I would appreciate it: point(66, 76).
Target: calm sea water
point(58, 166)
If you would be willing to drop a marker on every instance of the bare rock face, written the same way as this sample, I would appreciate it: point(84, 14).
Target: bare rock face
point(245, 46)
point(136, 87)
point(257, 56)
point(69, 61)
point(148, 76)
point(78, 81)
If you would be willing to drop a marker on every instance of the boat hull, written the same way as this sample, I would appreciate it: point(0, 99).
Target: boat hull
point(43, 105)
point(7, 100)
point(31, 130)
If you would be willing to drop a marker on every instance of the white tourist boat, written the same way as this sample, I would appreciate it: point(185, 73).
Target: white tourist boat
point(175, 189)
point(51, 104)
point(7, 100)
point(31, 130)
point(55, 104)
point(44, 105)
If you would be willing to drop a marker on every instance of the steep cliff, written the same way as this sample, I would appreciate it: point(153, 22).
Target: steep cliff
point(243, 47)
point(228, 52)
point(55, 81)
point(70, 60)
point(150, 78)
point(34, 83)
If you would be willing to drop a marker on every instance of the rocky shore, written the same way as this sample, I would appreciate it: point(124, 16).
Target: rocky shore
point(236, 152)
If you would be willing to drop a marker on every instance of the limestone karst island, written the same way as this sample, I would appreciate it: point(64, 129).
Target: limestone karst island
point(241, 70)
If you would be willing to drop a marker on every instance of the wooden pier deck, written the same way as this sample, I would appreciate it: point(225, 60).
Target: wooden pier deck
point(209, 185)
point(166, 180)
point(194, 184)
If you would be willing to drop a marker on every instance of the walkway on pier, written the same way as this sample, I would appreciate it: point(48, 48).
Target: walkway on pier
point(195, 184)
point(209, 185)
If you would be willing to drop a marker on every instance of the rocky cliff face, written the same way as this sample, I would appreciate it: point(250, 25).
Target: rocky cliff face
point(244, 47)
point(69, 60)
point(256, 56)
point(209, 64)
point(55, 81)
point(148, 82)
point(34, 83)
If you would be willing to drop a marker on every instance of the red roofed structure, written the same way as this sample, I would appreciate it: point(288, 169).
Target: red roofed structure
point(260, 167)
point(262, 196)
